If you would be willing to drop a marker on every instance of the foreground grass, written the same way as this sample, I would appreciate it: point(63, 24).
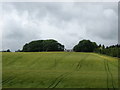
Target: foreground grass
point(59, 70)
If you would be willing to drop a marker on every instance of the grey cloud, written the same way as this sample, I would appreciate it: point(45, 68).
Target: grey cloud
point(13, 32)
point(66, 22)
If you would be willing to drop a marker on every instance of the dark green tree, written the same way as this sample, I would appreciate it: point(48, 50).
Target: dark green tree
point(99, 45)
point(85, 46)
point(43, 45)
point(8, 50)
point(103, 47)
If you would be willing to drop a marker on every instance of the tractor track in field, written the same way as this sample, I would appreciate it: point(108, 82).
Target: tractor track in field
point(7, 80)
point(57, 80)
point(108, 72)
point(79, 65)
point(111, 76)
point(54, 81)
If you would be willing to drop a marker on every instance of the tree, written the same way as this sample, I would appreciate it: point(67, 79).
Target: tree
point(8, 50)
point(43, 45)
point(85, 46)
point(103, 47)
point(99, 45)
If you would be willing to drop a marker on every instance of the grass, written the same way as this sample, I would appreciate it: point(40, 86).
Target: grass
point(59, 70)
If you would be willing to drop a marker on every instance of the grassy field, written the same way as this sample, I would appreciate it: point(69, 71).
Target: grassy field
point(59, 70)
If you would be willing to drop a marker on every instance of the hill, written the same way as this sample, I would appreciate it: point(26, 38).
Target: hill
point(59, 70)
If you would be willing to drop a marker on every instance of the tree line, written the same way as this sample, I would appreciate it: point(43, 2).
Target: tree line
point(82, 46)
point(88, 46)
point(113, 50)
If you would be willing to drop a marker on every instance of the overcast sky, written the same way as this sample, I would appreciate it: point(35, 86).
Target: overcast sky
point(68, 23)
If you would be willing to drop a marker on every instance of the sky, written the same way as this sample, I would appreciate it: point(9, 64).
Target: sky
point(66, 22)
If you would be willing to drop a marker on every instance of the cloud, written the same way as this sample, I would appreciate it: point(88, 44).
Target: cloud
point(66, 22)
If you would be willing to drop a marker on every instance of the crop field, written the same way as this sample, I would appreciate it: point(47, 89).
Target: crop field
point(58, 70)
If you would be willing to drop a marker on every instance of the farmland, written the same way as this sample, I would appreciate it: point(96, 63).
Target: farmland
point(59, 70)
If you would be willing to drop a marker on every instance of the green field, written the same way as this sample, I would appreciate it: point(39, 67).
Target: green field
point(59, 70)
